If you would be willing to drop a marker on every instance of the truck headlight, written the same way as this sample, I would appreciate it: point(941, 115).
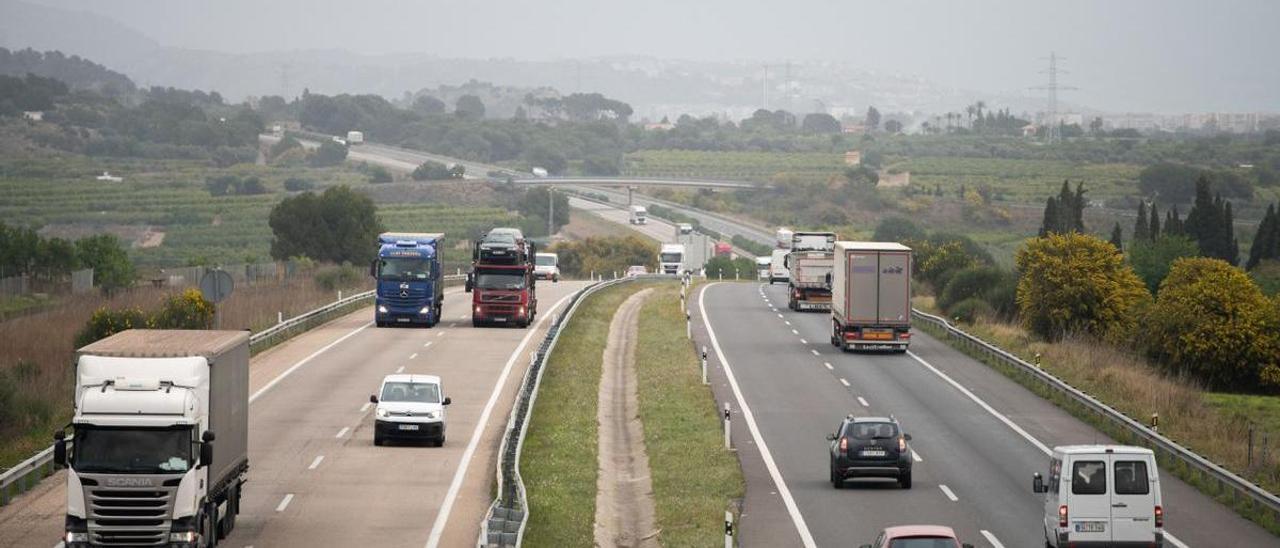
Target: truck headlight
point(382, 309)
point(431, 414)
point(425, 310)
point(381, 413)
point(75, 536)
point(187, 537)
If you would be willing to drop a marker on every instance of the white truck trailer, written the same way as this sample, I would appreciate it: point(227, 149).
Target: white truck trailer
point(871, 296)
point(809, 267)
point(142, 464)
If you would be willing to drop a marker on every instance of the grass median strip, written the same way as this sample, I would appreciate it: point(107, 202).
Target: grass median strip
point(694, 479)
point(559, 457)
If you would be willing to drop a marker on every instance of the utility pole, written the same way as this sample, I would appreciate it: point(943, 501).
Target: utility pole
point(1053, 132)
point(764, 88)
point(551, 211)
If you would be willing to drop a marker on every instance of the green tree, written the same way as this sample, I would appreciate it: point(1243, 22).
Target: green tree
point(337, 226)
point(1152, 260)
point(727, 268)
point(605, 255)
point(893, 126)
point(469, 107)
point(426, 104)
point(534, 203)
point(1212, 322)
point(873, 118)
point(1210, 223)
point(330, 153)
point(1076, 283)
point(188, 310)
point(111, 266)
point(431, 171)
point(1266, 242)
point(1117, 237)
point(897, 229)
point(1142, 227)
point(820, 122)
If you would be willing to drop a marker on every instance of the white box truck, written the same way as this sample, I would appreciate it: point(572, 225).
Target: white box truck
point(639, 215)
point(782, 238)
point(671, 259)
point(355, 138)
point(871, 296)
point(159, 450)
point(809, 267)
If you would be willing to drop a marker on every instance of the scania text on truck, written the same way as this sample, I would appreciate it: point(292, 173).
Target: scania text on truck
point(639, 215)
point(671, 259)
point(809, 270)
point(502, 281)
point(871, 296)
point(160, 434)
point(407, 270)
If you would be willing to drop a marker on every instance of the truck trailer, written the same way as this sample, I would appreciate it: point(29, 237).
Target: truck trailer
point(502, 281)
point(160, 434)
point(809, 267)
point(410, 289)
point(871, 296)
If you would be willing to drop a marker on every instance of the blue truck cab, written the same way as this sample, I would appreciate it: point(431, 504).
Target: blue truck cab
point(410, 289)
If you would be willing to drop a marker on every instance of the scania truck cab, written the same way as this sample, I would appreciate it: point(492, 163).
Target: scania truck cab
point(407, 271)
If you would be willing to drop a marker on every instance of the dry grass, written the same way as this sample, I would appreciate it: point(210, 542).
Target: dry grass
point(36, 349)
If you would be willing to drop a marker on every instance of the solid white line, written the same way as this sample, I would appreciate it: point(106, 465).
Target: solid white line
point(304, 361)
point(916, 456)
point(815, 352)
point(413, 355)
point(442, 517)
point(947, 491)
point(400, 369)
point(995, 543)
point(342, 432)
point(1042, 447)
point(828, 364)
point(806, 538)
point(365, 407)
point(863, 402)
point(316, 463)
point(844, 382)
point(285, 503)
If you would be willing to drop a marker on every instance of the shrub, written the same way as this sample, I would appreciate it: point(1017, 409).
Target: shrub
point(1267, 276)
point(605, 255)
point(1077, 283)
point(338, 277)
point(295, 184)
point(1212, 322)
point(431, 171)
point(1152, 260)
point(329, 154)
point(104, 323)
point(971, 309)
point(972, 282)
point(379, 174)
point(897, 229)
point(724, 267)
point(188, 310)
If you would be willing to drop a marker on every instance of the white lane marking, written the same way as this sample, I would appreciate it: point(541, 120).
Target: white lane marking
point(440, 334)
point(863, 402)
point(284, 503)
point(342, 432)
point(1176, 542)
point(1042, 447)
point(947, 491)
point(442, 517)
point(828, 364)
point(365, 407)
point(316, 463)
point(780, 315)
point(788, 322)
point(815, 352)
point(304, 361)
point(806, 538)
point(794, 332)
point(844, 382)
point(995, 543)
point(427, 344)
point(916, 456)
point(400, 369)
point(802, 341)
point(413, 355)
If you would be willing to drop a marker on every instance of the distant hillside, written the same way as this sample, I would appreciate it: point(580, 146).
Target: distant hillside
point(76, 72)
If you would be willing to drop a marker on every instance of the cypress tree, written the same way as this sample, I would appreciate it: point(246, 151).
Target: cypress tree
point(1231, 253)
point(1154, 230)
point(1117, 237)
point(1141, 230)
point(1050, 217)
point(1266, 240)
point(1077, 212)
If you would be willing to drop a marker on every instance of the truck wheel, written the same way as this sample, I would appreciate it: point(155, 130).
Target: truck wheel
point(904, 480)
point(377, 440)
point(836, 481)
point(440, 441)
point(208, 532)
point(475, 322)
point(379, 324)
point(522, 323)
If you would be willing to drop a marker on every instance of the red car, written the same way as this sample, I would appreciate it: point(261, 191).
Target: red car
point(917, 536)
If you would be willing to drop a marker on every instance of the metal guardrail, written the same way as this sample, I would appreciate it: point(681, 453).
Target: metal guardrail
point(1240, 492)
point(28, 473)
point(504, 523)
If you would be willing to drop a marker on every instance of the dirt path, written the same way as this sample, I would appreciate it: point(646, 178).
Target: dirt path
point(624, 494)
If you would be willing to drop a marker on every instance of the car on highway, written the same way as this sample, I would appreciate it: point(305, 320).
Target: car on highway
point(546, 266)
point(870, 447)
point(1101, 495)
point(636, 270)
point(409, 407)
point(917, 536)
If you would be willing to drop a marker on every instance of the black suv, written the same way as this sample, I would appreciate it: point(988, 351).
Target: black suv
point(870, 447)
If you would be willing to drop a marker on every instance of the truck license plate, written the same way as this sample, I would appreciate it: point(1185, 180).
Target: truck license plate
point(408, 427)
point(499, 320)
point(1091, 527)
point(402, 320)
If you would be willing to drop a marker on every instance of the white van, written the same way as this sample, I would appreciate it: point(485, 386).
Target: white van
point(1101, 495)
point(778, 267)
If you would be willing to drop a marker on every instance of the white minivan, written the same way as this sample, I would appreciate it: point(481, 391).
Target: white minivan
point(1101, 495)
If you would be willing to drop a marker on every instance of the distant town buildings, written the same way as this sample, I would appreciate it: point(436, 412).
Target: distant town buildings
point(1210, 122)
point(853, 158)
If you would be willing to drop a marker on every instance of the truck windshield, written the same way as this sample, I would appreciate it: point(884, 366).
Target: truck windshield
point(670, 257)
point(402, 268)
point(98, 449)
point(420, 392)
point(544, 260)
point(500, 279)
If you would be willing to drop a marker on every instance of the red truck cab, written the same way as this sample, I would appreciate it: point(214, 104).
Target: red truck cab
point(501, 282)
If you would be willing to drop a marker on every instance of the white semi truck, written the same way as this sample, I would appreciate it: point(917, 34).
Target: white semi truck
point(809, 267)
point(159, 451)
point(671, 259)
point(639, 215)
point(871, 296)
point(355, 138)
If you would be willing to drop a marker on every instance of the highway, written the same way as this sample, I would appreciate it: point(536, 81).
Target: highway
point(978, 436)
point(315, 477)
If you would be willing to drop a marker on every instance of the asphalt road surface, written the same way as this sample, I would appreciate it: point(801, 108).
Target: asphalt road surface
point(978, 436)
point(315, 477)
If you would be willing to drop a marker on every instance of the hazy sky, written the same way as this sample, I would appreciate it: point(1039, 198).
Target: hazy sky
point(1189, 55)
